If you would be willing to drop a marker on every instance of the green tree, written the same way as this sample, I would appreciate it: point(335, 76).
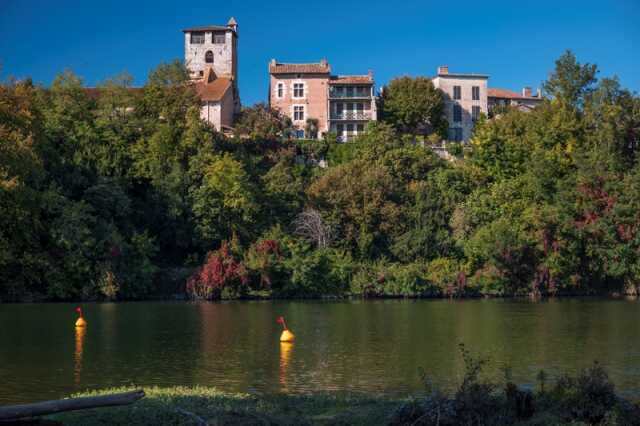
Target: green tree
point(414, 105)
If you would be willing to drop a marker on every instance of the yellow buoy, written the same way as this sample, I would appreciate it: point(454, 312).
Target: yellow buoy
point(286, 336)
point(80, 322)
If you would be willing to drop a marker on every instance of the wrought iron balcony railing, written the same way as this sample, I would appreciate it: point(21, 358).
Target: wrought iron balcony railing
point(333, 94)
point(351, 115)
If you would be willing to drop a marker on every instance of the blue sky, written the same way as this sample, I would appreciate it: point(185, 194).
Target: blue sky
point(515, 42)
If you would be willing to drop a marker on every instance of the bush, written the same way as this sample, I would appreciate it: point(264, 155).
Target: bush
point(220, 275)
point(587, 397)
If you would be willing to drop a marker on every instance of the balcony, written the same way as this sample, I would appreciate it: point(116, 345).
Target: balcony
point(352, 115)
point(334, 94)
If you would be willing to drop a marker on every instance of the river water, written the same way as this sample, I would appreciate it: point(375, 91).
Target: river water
point(374, 346)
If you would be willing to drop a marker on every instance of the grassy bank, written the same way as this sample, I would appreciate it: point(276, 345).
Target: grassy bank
point(588, 398)
point(200, 405)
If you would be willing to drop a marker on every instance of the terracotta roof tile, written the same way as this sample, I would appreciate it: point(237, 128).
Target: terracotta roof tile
point(507, 94)
point(315, 68)
point(213, 91)
point(351, 79)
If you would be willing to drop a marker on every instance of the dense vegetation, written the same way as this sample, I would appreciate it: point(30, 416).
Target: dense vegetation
point(130, 195)
point(588, 398)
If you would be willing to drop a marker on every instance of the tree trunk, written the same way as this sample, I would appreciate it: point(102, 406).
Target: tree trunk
point(57, 406)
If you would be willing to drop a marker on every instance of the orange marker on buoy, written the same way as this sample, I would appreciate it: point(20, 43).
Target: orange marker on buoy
point(80, 322)
point(286, 335)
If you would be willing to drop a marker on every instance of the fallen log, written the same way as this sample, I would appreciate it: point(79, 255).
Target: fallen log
point(13, 412)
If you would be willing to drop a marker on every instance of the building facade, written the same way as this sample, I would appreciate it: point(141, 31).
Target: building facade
point(308, 92)
point(465, 100)
point(211, 56)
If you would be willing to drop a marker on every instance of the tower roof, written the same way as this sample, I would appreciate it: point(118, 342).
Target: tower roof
point(207, 28)
point(232, 22)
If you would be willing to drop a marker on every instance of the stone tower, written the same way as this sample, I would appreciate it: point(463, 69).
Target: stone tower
point(212, 46)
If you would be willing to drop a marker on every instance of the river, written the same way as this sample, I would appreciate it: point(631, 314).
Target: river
point(372, 346)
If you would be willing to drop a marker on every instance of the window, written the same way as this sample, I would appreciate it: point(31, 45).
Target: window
point(298, 113)
point(340, 130)
point(197, 38)
point(201, 73)
point(360, 128)
point(218, 38)
point(457, 92)
point(475, 93)
point(208, 57)
point(349, 92)
point(280, 90)
point(298, 90)
point(475, 113)
point(457, 113)
point(299, 134)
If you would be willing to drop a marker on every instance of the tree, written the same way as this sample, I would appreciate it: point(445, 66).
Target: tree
point(222, 199)
point(310, 225)
point(263, 122)
point(414, 105)
point(571, 81)
point(311, 128)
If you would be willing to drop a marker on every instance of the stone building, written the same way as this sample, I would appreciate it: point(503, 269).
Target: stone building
point(524, 101)
point(211, 56)
point(465, 99)
point(340, 104)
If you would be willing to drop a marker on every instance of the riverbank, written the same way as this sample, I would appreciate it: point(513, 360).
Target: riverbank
point(587, 399)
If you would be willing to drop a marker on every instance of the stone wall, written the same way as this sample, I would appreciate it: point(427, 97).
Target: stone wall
point(224, 55)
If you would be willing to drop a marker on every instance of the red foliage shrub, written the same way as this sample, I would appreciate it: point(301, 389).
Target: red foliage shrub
point(220, 271)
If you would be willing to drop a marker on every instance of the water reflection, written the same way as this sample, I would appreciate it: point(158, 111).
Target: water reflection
point(363, 346)
point(285, 358)
point(77, 365)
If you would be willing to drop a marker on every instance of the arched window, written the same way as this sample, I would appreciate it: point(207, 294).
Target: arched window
point(208, 57)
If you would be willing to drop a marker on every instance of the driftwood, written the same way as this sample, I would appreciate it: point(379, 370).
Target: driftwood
point(13, 412)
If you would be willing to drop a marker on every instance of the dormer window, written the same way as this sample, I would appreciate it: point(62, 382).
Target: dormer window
point(208, 57)
point(197, 38)
point(218, 38)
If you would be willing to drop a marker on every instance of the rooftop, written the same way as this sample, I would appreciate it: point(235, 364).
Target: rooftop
point(508, 94)
point(462, 75)
point(213, 91)
point(321, 67)
point(231, 26)
point(351, 79)
point(96, 92)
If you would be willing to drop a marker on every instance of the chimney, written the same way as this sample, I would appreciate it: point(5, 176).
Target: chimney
point(443, 69)
point(324, 62)
point(526, 92)
point(370, 73)
point(538, 93)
